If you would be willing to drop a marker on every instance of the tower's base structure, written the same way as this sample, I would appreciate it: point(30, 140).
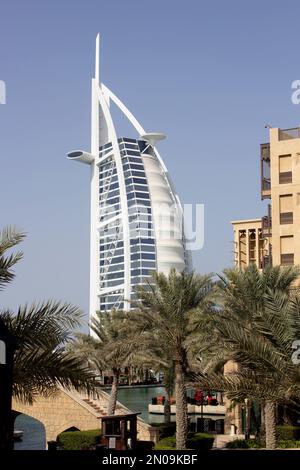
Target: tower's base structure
point(136, 217)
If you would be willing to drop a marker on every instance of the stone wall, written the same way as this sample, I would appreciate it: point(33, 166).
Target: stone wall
point(58, 413)
point(66, 409)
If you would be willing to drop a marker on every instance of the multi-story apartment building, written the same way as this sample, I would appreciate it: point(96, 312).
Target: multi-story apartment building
point(275, 238)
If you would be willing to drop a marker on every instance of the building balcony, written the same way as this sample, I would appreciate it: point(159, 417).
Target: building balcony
point(265, 171)
point(266, 226)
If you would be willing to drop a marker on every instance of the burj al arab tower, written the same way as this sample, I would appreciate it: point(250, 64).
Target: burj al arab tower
point(136, 217)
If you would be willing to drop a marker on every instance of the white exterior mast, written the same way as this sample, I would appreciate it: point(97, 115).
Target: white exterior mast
point(94, 216)
point(97, 60)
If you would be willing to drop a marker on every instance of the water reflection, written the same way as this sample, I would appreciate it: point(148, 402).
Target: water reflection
point(34, 437)
point(137, 399)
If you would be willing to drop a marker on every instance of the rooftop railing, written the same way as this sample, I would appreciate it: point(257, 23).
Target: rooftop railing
point(287, 134)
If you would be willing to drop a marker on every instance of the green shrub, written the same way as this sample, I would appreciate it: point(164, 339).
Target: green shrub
point(237, 444)
point(288, 433)
point(257, 444)
point(245, 444)
point(195, 441)
point(167, 443)
point(200, 441)
point(79, 440)
point(285, 444)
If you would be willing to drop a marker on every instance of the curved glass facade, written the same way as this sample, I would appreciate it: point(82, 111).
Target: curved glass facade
point(141, 231)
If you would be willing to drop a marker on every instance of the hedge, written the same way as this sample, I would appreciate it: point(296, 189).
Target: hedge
point(195, 441)
point(257, 444)
point(78, 440)
point(200, 441)
point(245, 444)
point(167, 443)
point(288, 433)
point(285, 444)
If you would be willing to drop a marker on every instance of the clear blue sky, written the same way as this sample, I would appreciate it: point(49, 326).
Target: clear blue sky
point(208, 74)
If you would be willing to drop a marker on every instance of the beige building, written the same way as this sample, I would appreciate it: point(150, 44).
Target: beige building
point(250, 243)
point(275, 238)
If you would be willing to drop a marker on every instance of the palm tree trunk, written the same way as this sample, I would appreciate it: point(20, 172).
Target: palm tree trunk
point(167, 410)
point(113, 394)
point(248, 419)
point(270, 423)
point(181, 407)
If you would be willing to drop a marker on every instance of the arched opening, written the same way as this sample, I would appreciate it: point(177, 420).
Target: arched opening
point(34, 434)
point(73, 428)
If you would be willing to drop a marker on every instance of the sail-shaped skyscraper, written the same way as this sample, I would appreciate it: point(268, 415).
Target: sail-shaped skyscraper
point(136, 217)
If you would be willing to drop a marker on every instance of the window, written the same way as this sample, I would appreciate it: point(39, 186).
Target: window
point(118, 275)
point(134, 166)
point(113, 283)
point(133, 153)
point(287, 259)
point(148, 248)
point(127, 139)
point(110, 193)
point(287, 250)
point(135, 272)
point(285, 169)
point(285, 177)
point(286, 208)
point(134, 160)
point(149, 241)
point(109, 144)
point(117, 259)
point(143, 202)
point(128, 146)
point(140, 180)
point(286, 218)
point(148, 256)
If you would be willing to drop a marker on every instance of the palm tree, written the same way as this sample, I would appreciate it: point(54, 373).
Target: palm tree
point(9, 238)
point(165, 307)
point(41, 362)
point(113, 347)
point(256, 328)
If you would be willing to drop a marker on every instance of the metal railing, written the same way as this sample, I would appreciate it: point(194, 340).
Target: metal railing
point(266, 226)
point(265, 174)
